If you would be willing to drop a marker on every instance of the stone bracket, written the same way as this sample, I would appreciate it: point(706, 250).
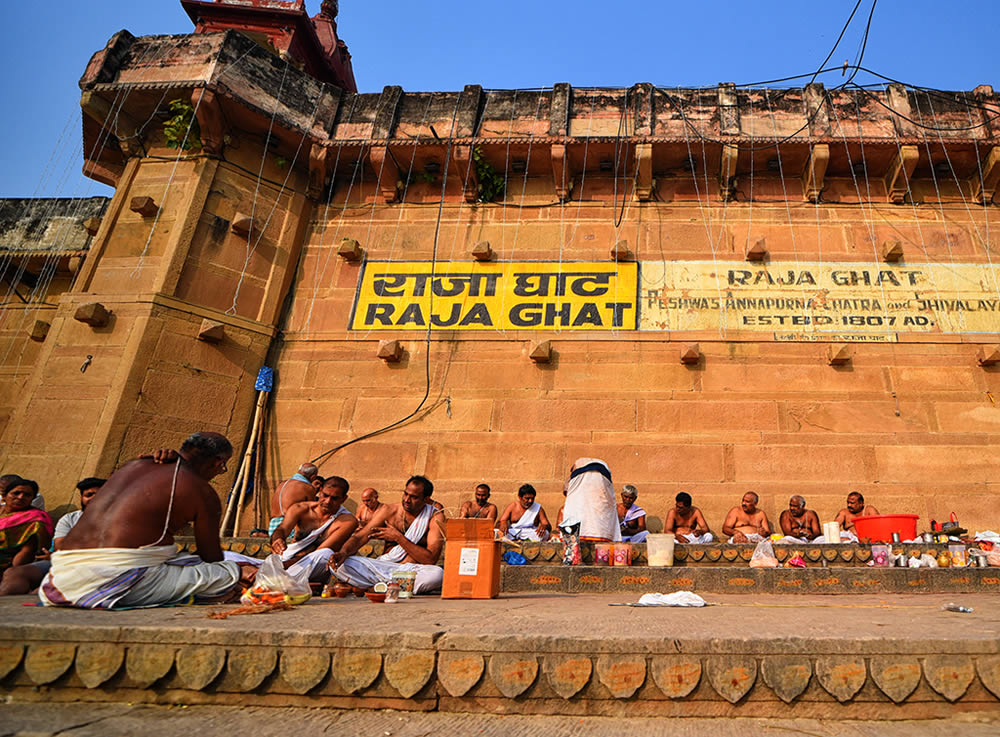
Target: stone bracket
point(562, 173)
point(467, 120)
point(983, 187)
point(815, 99)
point(123, 127)
point(727, 173)
point(467, 170)
point(644, 109)
point(729, 110)
point(815, 172)
point(645, 187)
point(387, 113)
point(387, 172)
point(211, 121)
point(900, 171)
point(898, 99)
point(317, 170)
point(559, 110)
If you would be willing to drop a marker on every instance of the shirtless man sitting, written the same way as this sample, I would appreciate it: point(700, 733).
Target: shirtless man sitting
point(799, 522)
point(525, 518)
point(746, 523)
point(686, 522)
point(369, 506)
point(480, 507)
point(321, 528)
point(855, 508)
point(122, 553)
point(299, 488)
point(414, 528)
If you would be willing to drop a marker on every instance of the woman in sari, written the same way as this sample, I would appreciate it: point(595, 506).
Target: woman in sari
point(24, 530)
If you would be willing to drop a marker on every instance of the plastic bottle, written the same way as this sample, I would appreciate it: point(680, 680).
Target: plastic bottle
point(953, 607)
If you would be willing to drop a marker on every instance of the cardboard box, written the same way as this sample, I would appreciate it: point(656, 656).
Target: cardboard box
point(471, 560)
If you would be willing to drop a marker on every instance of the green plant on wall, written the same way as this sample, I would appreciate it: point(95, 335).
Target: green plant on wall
point(491, 184)
point(181, 130)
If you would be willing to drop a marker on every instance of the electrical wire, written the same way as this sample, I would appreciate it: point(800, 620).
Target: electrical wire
point(835, 45)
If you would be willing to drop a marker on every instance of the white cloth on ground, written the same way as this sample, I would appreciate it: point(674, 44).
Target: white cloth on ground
point(414, 533)
point(692, 539)
point(634, 512)
point(102, 578)
point(366, 572)
point(590, 501)
point(314, 562)
point(526, 527)
point(66, 523)
point(678, 598)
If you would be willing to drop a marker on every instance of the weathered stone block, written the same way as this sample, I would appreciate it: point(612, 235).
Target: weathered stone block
point(146, 664)
point(45, 662)
point(246, 668)
point(690, 353)
point(92, 225)
point(198, 666)
point(96, 662)
point(513, 674)
point(757, 251)
point(842, 677)
point(145, 206)
point(676, 675)
point(350, 250)
point(949, 675)
point(788, 676)
point(390, 351)
point(621, 252)
point(897, 677)
point(541, 352)
point(989, 355)
point(39, 331)
point(567, 674)
point(356, 670)
point(838, 355)
point(731, 677)
point(892, 251)
point(94, 314)
point(10, 658)
point(409, 671)
point(621, 675)
point(482, 251)
point(459, 672)
point(302, 670)
point(211, 331)
point(242, 225)
point(987, 666)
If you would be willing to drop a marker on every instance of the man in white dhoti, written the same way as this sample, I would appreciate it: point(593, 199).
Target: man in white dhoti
point(590, 501)
point(631, 516)
point(321, 528)
point(525, 518)
point(746, 523)
point(687, 523)
point(121, 553)
point(414, 527)
point(798, 523)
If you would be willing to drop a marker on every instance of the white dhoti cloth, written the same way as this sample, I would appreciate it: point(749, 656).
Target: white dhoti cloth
point(104, 578)
point(526, 528)
point(692, 539)
point(634, 512)
point(314, 562)
point(364, 573)
point(590, 501)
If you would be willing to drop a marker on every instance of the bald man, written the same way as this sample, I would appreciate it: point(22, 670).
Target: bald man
point(368, 507)
point(299, 488)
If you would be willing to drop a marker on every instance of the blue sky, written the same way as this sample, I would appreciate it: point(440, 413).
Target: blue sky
point(445, 45)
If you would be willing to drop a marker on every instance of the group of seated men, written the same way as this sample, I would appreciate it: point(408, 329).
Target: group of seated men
point(121, 553)
point(525, 519)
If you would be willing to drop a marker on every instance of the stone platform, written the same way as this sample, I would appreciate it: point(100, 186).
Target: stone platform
point(849, 657)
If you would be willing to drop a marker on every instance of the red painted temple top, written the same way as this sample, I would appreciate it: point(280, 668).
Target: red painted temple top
point(285, 27)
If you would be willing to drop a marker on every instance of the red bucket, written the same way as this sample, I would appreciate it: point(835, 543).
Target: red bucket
point(879, 528)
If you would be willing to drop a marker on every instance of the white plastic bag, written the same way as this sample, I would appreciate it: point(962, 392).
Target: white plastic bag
point(273, 583)
point(763, 555)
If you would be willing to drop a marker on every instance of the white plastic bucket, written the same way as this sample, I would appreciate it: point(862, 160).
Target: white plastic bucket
point(660, 550)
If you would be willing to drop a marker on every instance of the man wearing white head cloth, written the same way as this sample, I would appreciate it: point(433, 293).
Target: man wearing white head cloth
point(590, 501)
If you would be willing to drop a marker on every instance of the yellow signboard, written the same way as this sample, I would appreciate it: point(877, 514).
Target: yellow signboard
point(820, 300)
point(411, 295)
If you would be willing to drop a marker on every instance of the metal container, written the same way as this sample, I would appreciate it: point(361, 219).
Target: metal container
point(895, 537)
point(928, 537)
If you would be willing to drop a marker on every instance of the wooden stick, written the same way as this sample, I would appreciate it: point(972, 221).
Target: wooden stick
point(248, 457)
point(232, 499)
